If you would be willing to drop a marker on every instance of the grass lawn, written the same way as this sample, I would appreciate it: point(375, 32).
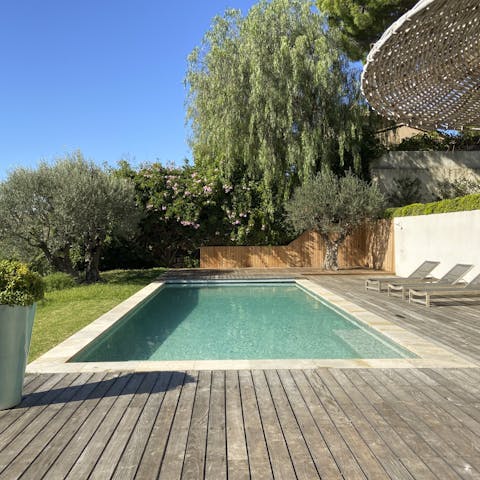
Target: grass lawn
point(63, 312)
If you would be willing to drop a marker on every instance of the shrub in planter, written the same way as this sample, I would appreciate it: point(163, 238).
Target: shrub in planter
point(20, 288)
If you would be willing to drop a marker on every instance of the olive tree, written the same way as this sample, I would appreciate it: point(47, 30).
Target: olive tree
point(31, 206)
point(69, 204)
point(334, 207)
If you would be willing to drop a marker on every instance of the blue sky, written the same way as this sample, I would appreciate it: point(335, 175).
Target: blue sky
point(103, 76)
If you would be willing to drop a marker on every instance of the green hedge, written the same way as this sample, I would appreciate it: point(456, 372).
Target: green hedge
point(460, 204)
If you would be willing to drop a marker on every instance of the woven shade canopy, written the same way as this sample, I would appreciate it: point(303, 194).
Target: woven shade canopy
point(425, 70)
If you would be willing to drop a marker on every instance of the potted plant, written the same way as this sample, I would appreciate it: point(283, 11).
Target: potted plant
point(20, 288)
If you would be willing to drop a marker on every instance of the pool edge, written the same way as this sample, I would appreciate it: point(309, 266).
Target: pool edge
point(430, 355)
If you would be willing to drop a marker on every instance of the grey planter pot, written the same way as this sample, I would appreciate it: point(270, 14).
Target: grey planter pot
point(16, 325)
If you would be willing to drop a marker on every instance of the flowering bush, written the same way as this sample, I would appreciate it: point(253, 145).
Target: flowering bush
point(181, 209)
point(189, 206)
point(250, 218)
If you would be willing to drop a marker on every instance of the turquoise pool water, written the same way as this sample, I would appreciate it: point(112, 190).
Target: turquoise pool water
point(231, 321)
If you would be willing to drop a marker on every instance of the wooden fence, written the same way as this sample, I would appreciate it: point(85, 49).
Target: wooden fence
point(371, 246)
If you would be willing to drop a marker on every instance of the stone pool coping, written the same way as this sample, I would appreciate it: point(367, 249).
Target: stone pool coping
point(430, 355)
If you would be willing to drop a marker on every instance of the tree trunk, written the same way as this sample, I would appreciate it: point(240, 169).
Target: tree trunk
point(330, 262)
point(92, 261)
point(165, 255)
point(60, 260)
point(66, 262)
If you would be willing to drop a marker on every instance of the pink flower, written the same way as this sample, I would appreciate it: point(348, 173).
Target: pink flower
point(187, 223)
point(207, 189)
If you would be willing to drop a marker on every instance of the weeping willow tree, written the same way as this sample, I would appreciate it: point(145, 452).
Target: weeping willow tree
point(271, 99)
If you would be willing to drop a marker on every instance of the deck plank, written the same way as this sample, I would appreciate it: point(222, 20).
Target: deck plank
point(281, 462)
point(155, 449)
point(175, 451)
point(237, 458)
point(319, 451)
point(259, 461)
point(111, 455)
point(299, 452)
point(216, 454)
point(194, 462)
point(130, 459)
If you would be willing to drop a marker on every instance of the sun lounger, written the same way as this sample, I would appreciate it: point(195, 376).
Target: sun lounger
point(420, 274)
point(453, 276)
point(423, 295)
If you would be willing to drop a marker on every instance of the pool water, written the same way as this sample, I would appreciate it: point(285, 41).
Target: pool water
point(237, 321)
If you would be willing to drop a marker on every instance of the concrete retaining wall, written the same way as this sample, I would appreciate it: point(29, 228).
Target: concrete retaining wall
point(430, 167)
point(447, 237)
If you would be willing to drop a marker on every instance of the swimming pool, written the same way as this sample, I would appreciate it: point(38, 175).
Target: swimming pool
point(230, 321)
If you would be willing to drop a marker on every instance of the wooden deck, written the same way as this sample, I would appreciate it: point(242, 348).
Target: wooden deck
point(306, 424)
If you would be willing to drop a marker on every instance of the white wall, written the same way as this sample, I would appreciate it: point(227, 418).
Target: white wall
point(450, 238)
